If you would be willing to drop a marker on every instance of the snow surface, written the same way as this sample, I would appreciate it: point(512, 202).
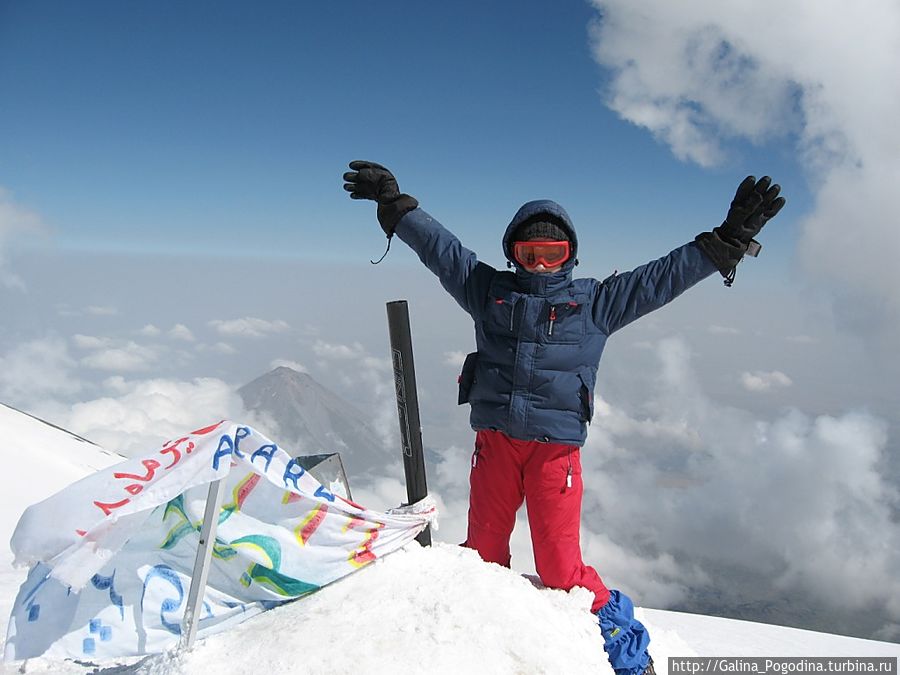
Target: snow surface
point(46, 459)
point(437, 610)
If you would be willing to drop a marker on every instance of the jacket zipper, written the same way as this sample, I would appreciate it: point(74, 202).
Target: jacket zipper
point(475, 455)
point(512, 316)
point(552, 319)
point(569, 472)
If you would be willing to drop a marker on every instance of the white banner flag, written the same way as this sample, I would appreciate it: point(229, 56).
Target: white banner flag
point(111, 555)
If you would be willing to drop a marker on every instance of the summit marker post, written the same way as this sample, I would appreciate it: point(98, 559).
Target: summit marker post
point(408, 406)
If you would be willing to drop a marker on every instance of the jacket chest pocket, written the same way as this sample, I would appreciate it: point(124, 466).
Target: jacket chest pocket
point(563, 322)
point(501, 315)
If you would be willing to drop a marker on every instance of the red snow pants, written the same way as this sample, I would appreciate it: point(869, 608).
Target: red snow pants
point(505, 472)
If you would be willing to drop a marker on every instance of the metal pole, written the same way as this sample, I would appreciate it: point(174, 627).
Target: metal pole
point(201, 563)
point(408, 406)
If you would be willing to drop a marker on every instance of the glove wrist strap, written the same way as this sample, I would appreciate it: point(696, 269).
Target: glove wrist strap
point(389, 214)
point(724, 254)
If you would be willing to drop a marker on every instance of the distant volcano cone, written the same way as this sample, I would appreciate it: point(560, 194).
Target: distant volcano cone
point(312, 419)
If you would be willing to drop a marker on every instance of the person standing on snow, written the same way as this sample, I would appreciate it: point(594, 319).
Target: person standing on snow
point(539, 335)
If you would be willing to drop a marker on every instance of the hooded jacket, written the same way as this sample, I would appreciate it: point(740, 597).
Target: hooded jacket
point(539, 337)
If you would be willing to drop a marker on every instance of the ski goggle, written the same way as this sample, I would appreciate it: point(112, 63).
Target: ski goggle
point(548, 253)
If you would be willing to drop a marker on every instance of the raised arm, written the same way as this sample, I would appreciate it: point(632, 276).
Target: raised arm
point(622, 299)
point(628, 296)
point(458, 268)
point(461, 273)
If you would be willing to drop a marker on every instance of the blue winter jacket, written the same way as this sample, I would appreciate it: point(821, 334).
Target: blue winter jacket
point(539, 337)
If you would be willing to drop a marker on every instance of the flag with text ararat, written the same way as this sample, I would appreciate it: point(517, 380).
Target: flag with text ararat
point(112, 555)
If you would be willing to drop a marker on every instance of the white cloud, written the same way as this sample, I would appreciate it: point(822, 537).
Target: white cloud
point(149, 331)
point(697, 74)
point(801, 339)
point(658, 576)
point(339, 352)
point(293, 365)
point(116, 383)
point(723, 330)
point(37, 369)
point(376, 364)
point(90, 341)
point(454, 358)
point(91, 310)
point(223, 348)
point(380, 492)
point(799, 500)
point(181, 332)
point(97, 310)
point(764, 381)
point(367, 380)
point(121, 356)
point(249, 327)
point(888, 633)
point(642, 344)
point(670, 430)
point(66, 311)
point(132, 357)
point(145, 413)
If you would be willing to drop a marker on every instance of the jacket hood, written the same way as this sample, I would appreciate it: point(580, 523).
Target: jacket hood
point(537, 207)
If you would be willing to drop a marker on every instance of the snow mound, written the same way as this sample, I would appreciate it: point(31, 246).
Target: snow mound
point(437, 610)
point(442, 610)
point(47, 459)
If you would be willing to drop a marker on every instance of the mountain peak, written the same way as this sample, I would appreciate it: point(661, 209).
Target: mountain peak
point(286, 372)
point(285, 380)
point(312, 419)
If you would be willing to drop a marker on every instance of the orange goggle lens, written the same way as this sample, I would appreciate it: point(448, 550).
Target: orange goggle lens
point(548, 253)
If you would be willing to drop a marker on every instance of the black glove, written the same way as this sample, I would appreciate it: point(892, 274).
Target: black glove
point(754, 204)
point(369, 180)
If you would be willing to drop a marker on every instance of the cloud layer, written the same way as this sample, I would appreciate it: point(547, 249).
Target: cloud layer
point(116, 355)
point(249, 327)
point(37, 369)
point(701, 73)
point(690, 502)
point(138, 415)
point(764, 381)
point(696, 495)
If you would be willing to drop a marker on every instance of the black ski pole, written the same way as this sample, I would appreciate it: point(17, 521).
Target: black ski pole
point(408, 406)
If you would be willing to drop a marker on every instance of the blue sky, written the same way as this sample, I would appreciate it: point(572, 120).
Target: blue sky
point(166, 127)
